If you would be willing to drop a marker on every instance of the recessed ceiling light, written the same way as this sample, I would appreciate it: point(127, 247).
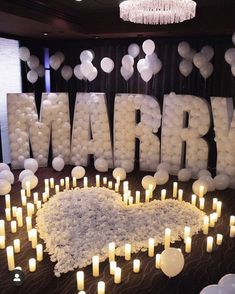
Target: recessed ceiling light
point(45, 33)
point(78, 0)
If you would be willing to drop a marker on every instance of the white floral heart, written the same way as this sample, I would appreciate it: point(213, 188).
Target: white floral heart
point(79, 224)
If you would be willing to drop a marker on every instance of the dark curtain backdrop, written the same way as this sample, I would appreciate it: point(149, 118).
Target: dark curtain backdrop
point(221, 83)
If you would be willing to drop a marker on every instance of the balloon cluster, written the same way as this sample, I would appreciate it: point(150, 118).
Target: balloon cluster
point(151, 64)
point(230, 56)
point(126, 131)
point(226, 285)
point(86, 70)
point(201, 60)
point(28, 174)
point(174, 132)
point(36, 69)
point(6, 179)
point(90, 117)
point(23, 122)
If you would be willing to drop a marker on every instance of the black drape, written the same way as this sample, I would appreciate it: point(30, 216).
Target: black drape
point(221, 83)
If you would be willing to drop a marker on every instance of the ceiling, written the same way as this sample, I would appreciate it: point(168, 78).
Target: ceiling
point(70, 19)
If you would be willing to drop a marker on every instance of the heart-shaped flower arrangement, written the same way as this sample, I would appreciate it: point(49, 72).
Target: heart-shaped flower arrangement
point(79, 224)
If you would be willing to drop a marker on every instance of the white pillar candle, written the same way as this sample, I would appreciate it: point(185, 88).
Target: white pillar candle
point(16, 244)
point(188, 244)
point(22, 192)
point(80, 280)
point(219, 208)
point(23, 200)
point(137, 197)
point(47, 192)
point(214, 204)
point(44, 197)
point(112, 266)
point(215, 216)
point(62, 182)
point(105, 180)
point(136, 265)
point(52, 183)
point(125, 186)
point(131, 200)
point(232, 220)
point(212, 220)
point(39, 204)
point(232, 232)
point(163, 194)
point(8, 201)
point(97, 181)
point(85, 182)
point(101, 287)
point(209, 244)
point(150, 191)
point(194, 199)
point(32, 265)
point(157, 261)
point(13, 226)
point(167, 238)
point(2, 242)
point(147, 195)
point(46, 183)
point(28, 189)
point(95, 266)
point(19, 217)
point(30, 235)
point(180, 195)
point(67, 183)
point(35, 197)
point(39, 252)
point(175, 189)
point(205, 225)
point(118, 275)
point(187, 232)
point(117, 187)
point(151, 247)
point(201, 203)
point(74, 182)
point(127, 251)
point(125, 198)
point(219, 239)
point(14, 209)
point(28, 223)
point(110, 184)
point(57, 189)
point(2, 227)
point(8, 214)
point(34, 238)
point(30, 209)
point(10, 258)
point(201, 191)
point(118, 180)
point(111, 251)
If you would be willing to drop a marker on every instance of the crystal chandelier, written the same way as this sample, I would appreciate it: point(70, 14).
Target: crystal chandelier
point(157, 11)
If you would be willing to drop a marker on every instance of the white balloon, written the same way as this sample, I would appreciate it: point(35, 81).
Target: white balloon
point(126, 74)
point(86, 68)
point(184, 49)
point(32, 164)
point(196, 187)
point(210, 182)
point(60, 55)
point(206, 70)
point(52, 98)
point(33, 62)
point(40, 70)
point(203, 172)
point(24, 53)
point(146, 74)
point(199, 60)
point(185, 67)
point(142, 63)
point(119, 172)
point(8, 176)
point(221, 182)
point(24, 173)
point(32, 76)
point(101, 165)
point(228, 282)
point(93, 75)
point(134, 50)
point(5, 187)
point(78, 172)
point(171, 262)
point(66, 72)
point(77, 72)
point(58, 163)
point(86, 55)
point(148, 47)
point(233, 69)
point(149, 180)
point(214, 289)
point(233, 38)
point(184, 175)
point(107, 64)
point(165, 166)
point(33, 181)
point(127, 61)
point(230, 56)
point(208, 52)
point(4, 166)
point(161, 177)
point(55, 62)
point(156, 66)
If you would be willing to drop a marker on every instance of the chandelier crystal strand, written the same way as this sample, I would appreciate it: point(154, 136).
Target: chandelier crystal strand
point(157, 11)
